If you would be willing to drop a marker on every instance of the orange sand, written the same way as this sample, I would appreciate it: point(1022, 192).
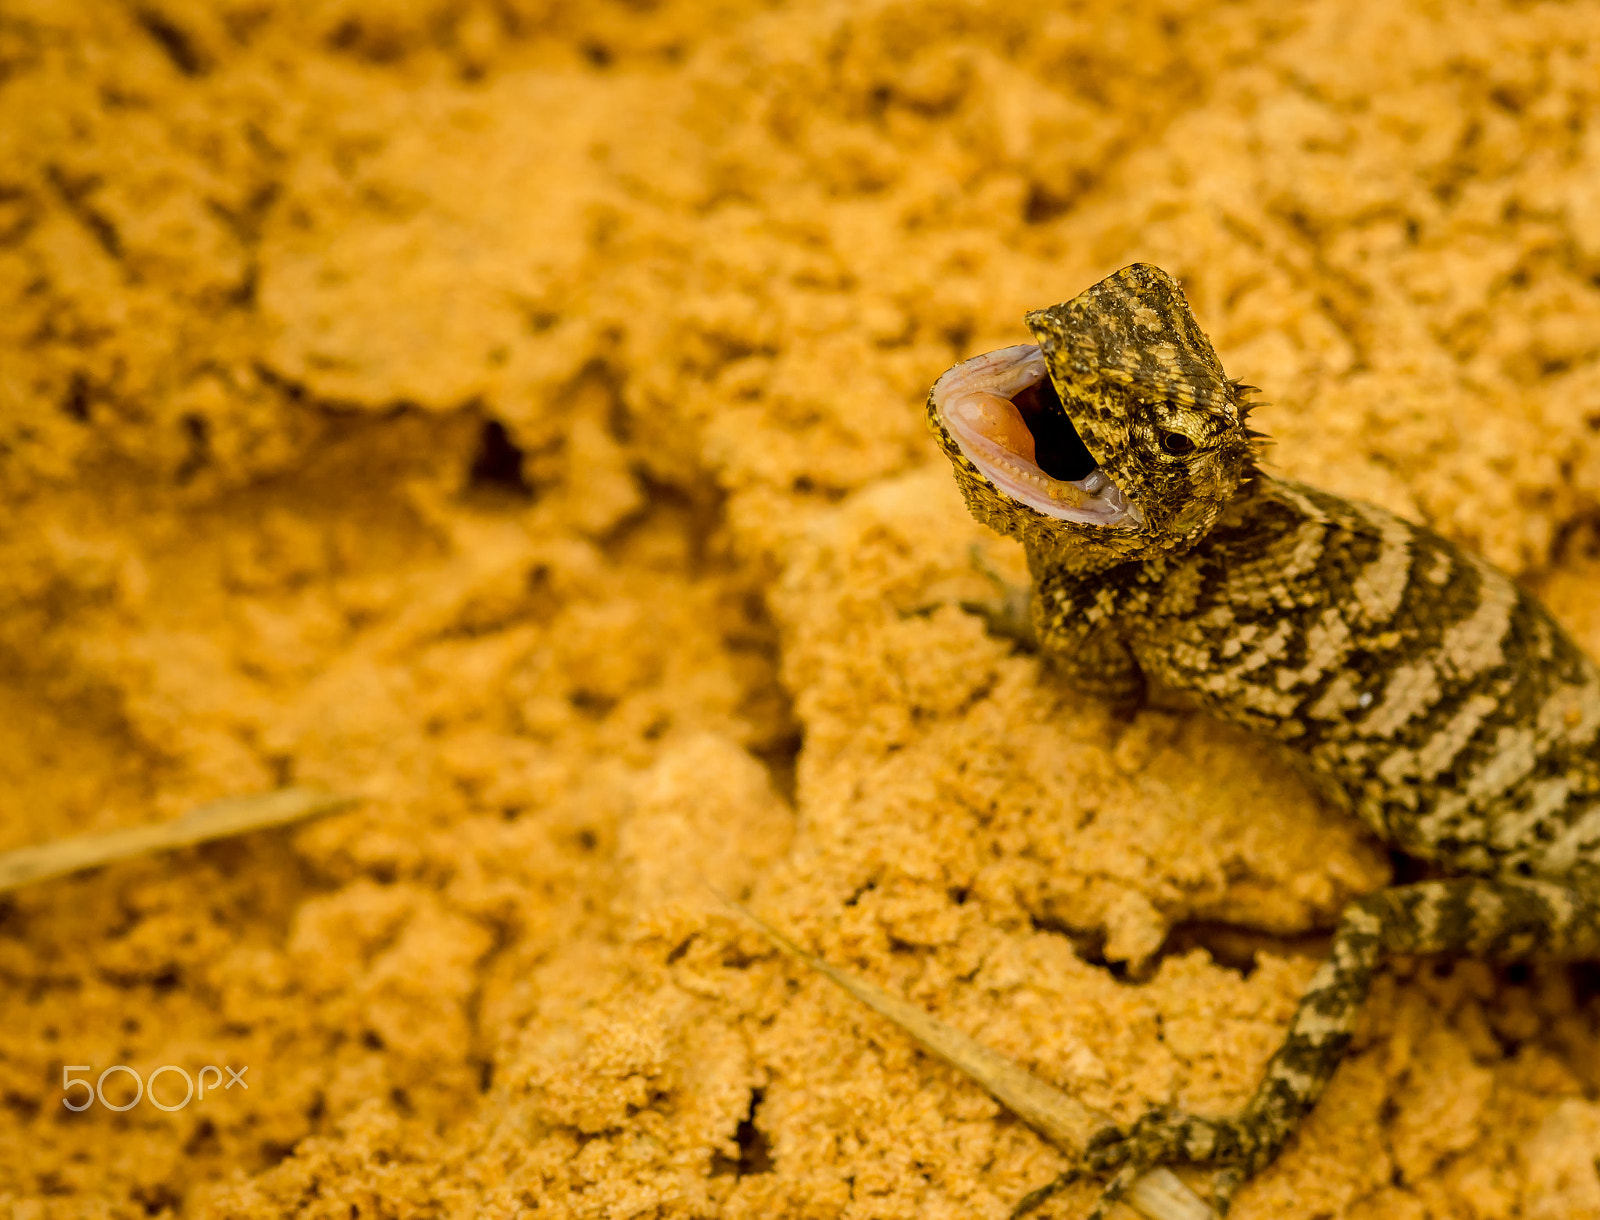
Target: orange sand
point(509, 410)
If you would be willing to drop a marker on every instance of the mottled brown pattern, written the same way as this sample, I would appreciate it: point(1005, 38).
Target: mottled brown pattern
point(1422, 688)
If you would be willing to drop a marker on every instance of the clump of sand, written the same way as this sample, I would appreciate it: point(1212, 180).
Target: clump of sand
point(509, 412)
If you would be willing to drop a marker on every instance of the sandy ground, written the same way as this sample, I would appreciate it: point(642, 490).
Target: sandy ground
point(508, 410)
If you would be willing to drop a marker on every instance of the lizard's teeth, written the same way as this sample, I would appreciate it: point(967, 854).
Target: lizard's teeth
point(1023, 471)
point(974, 400)
point(974, 425)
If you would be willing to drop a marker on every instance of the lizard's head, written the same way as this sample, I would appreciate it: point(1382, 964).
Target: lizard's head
point(1116, 437)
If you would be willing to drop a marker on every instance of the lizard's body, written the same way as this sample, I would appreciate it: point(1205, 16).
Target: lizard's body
point(1426, 691)
point(1421, 688)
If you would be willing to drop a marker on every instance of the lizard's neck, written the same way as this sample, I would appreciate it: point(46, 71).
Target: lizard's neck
point(1045, 558)
point(1069, 558)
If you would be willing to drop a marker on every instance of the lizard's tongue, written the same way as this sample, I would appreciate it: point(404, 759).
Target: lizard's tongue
point(1007, 418)
point(999, 421)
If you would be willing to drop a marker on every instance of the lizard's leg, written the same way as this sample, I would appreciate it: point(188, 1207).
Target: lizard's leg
point(1009, 616)
point(1479, 917)
point(1093, 660)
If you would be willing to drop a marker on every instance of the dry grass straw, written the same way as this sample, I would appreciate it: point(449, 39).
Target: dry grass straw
point(215, 820)
point(1061, 1118)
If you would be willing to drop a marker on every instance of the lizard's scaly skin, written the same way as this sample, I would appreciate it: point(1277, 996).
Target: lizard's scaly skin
point(1422, 688)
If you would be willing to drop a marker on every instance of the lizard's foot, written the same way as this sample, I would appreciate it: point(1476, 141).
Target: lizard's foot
point(1165, 1137)
point(1228, 1181)
point(1034, 1198)
point(1159, 1137)
point(1118, 1187)
point(1007, 616)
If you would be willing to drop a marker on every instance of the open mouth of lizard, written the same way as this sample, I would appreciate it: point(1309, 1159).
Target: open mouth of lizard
point(1009, 422)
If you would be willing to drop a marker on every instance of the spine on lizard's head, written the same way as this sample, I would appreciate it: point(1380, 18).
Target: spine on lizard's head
point(1115, 437)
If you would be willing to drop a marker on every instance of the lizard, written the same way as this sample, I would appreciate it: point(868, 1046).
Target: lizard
point(1419, 687)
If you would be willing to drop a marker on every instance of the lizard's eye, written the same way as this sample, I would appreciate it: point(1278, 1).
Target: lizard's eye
point(1177, 444)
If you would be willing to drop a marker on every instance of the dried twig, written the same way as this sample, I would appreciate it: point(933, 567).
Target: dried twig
point(1060, 1118)
point(231, 816)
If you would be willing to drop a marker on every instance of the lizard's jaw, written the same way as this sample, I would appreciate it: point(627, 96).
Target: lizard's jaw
point(1005, 417)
